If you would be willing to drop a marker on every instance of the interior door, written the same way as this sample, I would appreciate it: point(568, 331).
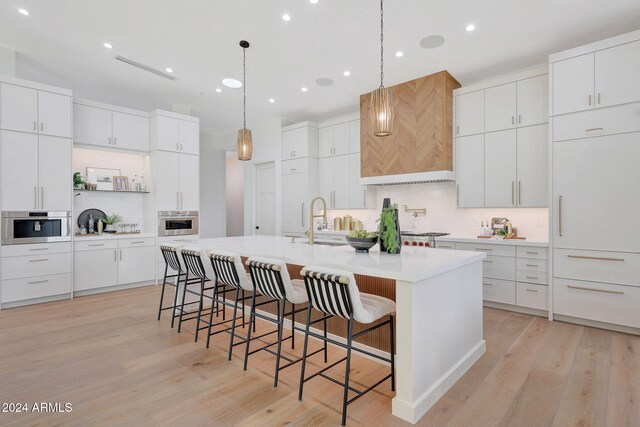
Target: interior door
point(20, 171)
point(91, 125)
point(325, 180)
point(596, 196)
point(130, 131)
point(168, 181)
point(341, 182)
point(189, 137)
point(168, 129)
point(500, 107)
point(266, 199)
point(54, 162)
point(533, 101)
point(470, 171)
point(573, 84)
point(189, 182)
point(617, 74)
point(469, 113)
point(533, 166)
point(18, 108)
point(500, 169)
point(54, 113)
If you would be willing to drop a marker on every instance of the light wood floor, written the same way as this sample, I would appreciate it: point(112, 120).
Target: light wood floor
point(110, 358)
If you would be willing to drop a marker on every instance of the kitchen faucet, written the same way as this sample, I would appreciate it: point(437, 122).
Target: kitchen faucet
point(310, 233)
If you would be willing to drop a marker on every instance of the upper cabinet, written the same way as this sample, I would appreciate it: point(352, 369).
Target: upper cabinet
point(469, 113)
point(603, 78)
point(175, 132)
point(499, 107)
point(300, 140)
point(516, 104)
point(28, 109)
point(335, 140)
point(109, 126)
point(533, 100)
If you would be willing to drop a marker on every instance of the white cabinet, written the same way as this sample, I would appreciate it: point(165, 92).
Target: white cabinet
point(334, 181)
point(573, 84)
point(533, 100)
point(335, 140)
point(469, 113)
point(130, 131)
point(617, 75)
point(299, 186)
point(176, 134)
point(178, 181)
point(360, 196)
point(31, 110)
point(91, 125)
point(532, 162)
point(500, 107)
point(470, 171)
point(325, 180)
point(301, 140)
point(102, 126)
point(136, 264)
point(500, 169)
point(354, 136)
point(85, 263)
point(596, 196)
point(36, 171)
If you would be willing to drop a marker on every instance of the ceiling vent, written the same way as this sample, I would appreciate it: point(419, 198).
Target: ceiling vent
point(144, 67)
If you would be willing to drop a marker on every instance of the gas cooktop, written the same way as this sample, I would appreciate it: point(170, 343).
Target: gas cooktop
point(417, 234)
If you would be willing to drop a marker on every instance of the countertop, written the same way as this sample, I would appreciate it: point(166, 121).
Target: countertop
point(474, 239)
point(108, 236)
point(411, 265)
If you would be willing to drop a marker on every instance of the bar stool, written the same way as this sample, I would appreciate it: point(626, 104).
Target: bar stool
point(195, 275)
point(271, 279)
point(335, 293)
point(230, 274)
point(172, 261)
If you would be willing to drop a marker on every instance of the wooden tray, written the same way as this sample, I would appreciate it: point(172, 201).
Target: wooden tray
point(107, 234)
point(506, 238)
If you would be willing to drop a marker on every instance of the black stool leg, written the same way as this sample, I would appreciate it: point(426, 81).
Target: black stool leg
point(164, 282)
point(304, 351)
point(393, 354)
point(346, 375)
point(213, 302)
point(184, 294)
point(325, 337)
point(293, 326)
point(281, 305)
point(200, 306)
point(233, 322)
point(243, 309)
point(175, 300)
point(252, 320)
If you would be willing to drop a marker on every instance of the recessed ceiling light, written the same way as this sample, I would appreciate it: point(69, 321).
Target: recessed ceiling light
point(169, 70)
point(218, 90)
point(108, 45)
point(399, 53)
point(25, 12)
point(232, 83)
point(470, 27)
point(286, 17)
point(271, 100)
point(347, 73)
point(313, 1)
point(304, 89)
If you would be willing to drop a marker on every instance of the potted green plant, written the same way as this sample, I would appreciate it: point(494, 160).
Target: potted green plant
point(78, 181)
point(110, 222)
point(389, 230)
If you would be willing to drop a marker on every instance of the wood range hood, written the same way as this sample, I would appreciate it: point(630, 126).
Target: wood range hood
point(420, 149)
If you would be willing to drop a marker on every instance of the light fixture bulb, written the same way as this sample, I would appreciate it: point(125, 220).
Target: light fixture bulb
point(304, 89)
point(399, 54)
point(24, 12)
point(470, 27)
point(286, 17)
point(218, 90)
point(347, 73)
point(313, 1)
point(169, 70)
point(108, 45)
point(271, 100)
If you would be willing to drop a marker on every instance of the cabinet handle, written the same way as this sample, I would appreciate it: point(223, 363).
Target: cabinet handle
point(38, 281)
point(593, 129)
point(513, 190)
point(177, 146)
point(519, 193)
point(181, 200)
point(513, 120)
point(115, 141)
point(532, 252)
point(39, 260)
point(532, 277)
point(560, 216)
point(457, 194)
point(458, 130)
point(595, 258)
point(97, 244)
point(35, 126)
point(109, 140)
point(115, 255)
point(302, 214)
point(41, 127)
point(41, 197)
point(487, 261)
point(120, 255)
point(595, 290)
point(364, 197)
point(532, 265)
point(519, 119)
point(487, 284)
point(35, 197)
point(483, 249)
point(178, 200)
point(535, 291)
point(589, 99)
point(39, 249)
point(598, 97)
point(181, 149)
point(140, 241)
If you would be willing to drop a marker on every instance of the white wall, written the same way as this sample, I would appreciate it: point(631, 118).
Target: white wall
point(7, 61)
point(235, 195)
point(213, 214)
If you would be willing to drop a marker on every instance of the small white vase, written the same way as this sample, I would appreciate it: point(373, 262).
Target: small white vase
point(110, 228)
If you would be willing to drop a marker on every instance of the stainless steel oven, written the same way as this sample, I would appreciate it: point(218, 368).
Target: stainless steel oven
point(177, 223)
point(35, 227)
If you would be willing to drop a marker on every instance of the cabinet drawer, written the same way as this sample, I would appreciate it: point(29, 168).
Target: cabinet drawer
point(496, 290)
point(294, 166)
point(36, 249)
point(445, 245)
point(132, 243)
point(28, 266)
point(35, 287)
point(597, 122)
point(532, 296)
point(498, 249)
point(597, 301)
point(95, 245)
point(532, 264)
point(532, 252)
point(540, 277)
point(498, 267)
point(597, 266)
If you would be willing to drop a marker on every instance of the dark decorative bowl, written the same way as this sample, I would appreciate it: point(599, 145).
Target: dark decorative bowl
point(362, 244)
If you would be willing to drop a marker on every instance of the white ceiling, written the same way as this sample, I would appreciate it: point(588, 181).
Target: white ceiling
point(199, 40)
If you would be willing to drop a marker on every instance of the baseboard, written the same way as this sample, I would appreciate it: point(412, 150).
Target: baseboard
point(32, 301)
point(597, 324)
point(110, 289)
point(516, 308)
point(412, 412)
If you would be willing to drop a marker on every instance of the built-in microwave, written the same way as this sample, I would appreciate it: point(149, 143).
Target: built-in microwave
point(35, 227)
point(177, 223)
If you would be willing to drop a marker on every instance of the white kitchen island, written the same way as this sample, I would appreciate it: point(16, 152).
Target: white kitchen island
point(438, 308)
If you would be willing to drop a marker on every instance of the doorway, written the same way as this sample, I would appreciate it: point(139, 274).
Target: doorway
point(266, 199)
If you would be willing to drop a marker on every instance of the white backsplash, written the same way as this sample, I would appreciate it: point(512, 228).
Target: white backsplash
point(129, 206)
point(442, 214)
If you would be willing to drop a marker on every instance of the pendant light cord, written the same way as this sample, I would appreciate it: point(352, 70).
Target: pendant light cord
point(244, 88)
point(381, 44)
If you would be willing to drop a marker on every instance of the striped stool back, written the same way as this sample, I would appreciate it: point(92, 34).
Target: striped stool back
point(194, 263)
point(329, 293)
point(225, 269)
point(170, 255)
point(267, 278)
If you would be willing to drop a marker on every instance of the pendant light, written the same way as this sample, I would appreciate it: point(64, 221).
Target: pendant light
point(381, 108)
point(244, 147)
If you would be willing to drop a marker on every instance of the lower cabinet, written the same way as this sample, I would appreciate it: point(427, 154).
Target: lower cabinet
point(136, 265)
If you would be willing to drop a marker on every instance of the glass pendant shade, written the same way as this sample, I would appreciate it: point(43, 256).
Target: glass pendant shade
point(244, 147)
point(381, 111)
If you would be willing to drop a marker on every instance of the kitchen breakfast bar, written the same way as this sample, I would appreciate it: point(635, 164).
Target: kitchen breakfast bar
point(438, 295)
